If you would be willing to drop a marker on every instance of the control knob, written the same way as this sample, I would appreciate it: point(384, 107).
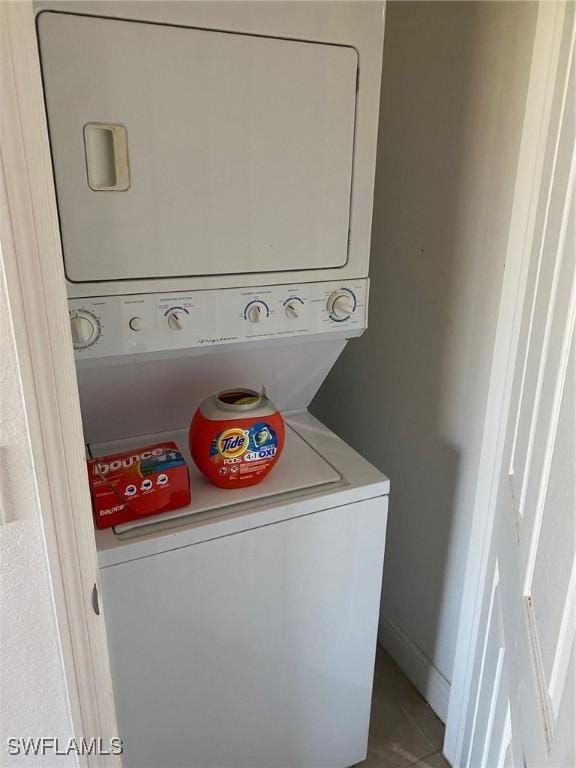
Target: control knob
point(341, 305)
point(293, 308)
point(256, 311)
point(177, 320)
point(136, 324)
point(85, 329)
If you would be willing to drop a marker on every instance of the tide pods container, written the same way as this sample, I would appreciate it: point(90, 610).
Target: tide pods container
point(236, 437)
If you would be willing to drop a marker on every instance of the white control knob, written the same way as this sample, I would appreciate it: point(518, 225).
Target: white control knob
point(136, 324)
point(84, 328)
point(177, 321)
point(341, 305)
point(293, 310)
point(254, 313)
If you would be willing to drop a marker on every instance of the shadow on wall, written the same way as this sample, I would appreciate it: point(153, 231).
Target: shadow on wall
point(410, 394)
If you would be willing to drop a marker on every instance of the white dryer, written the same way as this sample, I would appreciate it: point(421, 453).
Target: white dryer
point(204, 145)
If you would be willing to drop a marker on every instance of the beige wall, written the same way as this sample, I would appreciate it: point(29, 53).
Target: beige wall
point(410, 394)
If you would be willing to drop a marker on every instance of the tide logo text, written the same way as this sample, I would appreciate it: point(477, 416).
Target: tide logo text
point(232, 443)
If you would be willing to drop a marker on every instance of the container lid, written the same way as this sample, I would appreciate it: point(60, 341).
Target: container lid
point(239, 402)
point(239, 399)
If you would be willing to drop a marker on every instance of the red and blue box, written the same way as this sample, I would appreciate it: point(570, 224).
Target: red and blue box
point(138, 483)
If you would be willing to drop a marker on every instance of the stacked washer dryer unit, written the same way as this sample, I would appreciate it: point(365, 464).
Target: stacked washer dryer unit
point(214, 169)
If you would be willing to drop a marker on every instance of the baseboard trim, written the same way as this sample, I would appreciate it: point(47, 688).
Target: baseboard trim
point(416, 666)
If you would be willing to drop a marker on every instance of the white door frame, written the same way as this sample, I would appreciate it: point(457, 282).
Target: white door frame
point(536, 155)
point(32, 257)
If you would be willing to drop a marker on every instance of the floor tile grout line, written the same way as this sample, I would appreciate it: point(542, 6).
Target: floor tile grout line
point(422, 732)
point(410, 711)
point(424, 757)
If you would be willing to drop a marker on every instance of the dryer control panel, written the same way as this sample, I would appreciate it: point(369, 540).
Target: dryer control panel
point(108, 326)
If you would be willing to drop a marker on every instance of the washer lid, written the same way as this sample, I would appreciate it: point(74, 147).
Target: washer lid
point(299, 467)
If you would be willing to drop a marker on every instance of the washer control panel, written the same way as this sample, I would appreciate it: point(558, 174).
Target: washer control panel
point(108, 326)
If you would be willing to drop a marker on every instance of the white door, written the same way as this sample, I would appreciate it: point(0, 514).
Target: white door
point(183, 152)
point(521, 708)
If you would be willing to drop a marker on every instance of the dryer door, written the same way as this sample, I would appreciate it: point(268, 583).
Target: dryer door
point(186, 152)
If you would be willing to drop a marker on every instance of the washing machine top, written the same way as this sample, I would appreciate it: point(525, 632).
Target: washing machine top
point(316, 471)
point(299, 467)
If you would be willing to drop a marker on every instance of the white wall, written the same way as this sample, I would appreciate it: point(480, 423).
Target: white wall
point(33, 696)
point(410, 394)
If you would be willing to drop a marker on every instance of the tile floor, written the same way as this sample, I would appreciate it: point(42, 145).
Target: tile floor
point(404, 731)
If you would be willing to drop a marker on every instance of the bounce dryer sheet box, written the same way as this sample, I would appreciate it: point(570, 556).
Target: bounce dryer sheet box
point(138, 483)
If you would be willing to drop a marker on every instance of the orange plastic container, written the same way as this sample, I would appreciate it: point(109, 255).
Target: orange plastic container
point(236, 437)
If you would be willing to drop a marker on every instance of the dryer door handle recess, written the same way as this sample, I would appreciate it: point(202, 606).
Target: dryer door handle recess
point(106, 149)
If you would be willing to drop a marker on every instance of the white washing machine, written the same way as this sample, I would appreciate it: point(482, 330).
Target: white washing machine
point(214, 170)
point(242, 631)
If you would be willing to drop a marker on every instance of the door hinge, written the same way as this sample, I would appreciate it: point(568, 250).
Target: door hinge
point(95, 600)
